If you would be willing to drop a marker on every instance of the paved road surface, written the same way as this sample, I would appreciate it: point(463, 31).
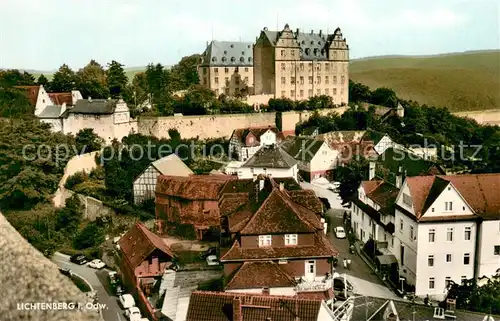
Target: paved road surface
point(98, 280)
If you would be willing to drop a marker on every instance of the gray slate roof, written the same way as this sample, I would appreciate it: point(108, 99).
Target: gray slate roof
point(270, 157)
point(313, 46)
point(228, 53)
point(51, 111)
point(302, 148)
point(28, 276)
point(95, 106)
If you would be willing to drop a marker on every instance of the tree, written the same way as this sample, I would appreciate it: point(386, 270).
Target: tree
point(197, 101)
point(87, 141)
point(185, 73)
point(13, 77)
point(92, 81)
point(69, 218)
point(140, 88)
point(359, 92)
point(15, 104)
point(64, 80)
point(42, 80)
point(117, 79)
point(385, 97)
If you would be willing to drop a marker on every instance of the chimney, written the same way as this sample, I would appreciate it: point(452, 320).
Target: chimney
point(282, 186)
point(320, 33)
point(312, 32)
point(399, 177)
point(371, 171)
point(90, 99)
point(297, 31)
point(237, 315)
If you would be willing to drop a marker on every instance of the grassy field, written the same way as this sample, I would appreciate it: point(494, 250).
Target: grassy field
point(462, 82)
point(466, 81)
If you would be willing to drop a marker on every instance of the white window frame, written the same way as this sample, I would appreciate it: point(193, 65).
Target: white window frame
point(468, 256)
point(446, 258)
point(448, 231)
point(291, 239)
point(467, 233)
point(433, 280)
point(265, 240)
point(448, 206)
point(433, 233)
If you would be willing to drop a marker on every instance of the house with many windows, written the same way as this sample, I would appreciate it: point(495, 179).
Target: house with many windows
point(270, 160)
point(277, 242)
point(447, 229)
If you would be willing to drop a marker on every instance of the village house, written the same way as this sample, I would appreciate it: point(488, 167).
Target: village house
point(270, 160)
point(69, 113)
point(447, 229)
point(191, 201)
point(276, 239)
point(245, 142)
point(145, 184)
point(315, 158)
point(145, 258)
point(220, 306)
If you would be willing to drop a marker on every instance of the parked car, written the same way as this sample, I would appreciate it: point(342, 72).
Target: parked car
point(133, 314)
point(113, 277)
point(64, 271)
point(97, 264)
point(208, 252)
point(126, 301)
point(119, 290)
point(212, 260)
point(339, 232)
point(78, 259)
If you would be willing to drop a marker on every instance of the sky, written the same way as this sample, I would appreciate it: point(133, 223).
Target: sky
point(43, 34)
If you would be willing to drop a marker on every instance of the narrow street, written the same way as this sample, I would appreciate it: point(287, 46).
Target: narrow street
point(98, 280)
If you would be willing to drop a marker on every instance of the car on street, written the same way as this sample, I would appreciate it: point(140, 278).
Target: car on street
point(133, 314)
point(126, 301)
point(79, 259)
point(97, 264)
point(339, 232)
point(119, 290)
point(65, 271)
point(212, 260)
point(210, 251)
point(113, 277)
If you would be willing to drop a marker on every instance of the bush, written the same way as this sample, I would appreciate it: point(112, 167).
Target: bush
point(75, 179)
point(80, 283)
point(185, 231)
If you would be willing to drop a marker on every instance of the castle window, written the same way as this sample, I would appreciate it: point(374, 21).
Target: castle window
point(292, 80)
point(282, 53)
point(233, 59)
point(327, 91)
point(242, 53)
point(335, 79)
point(283, 80)
point(318, 80)
point(246, 69)
point(310, 80)
point(216, 70)
point(327, 66)
point(283, 67)
point(315, 51)
point(225, 52)
point(249, 59)
point(308, 51)
point(214, 59)
point(226, 70)
point(224, 59)
point(301, 93)
point(242, 59)
point(301, 80)
point(216, 80)
point(310, 92)
point(327, 80)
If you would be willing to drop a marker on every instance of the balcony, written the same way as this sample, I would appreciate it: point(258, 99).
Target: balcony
point(318, 284)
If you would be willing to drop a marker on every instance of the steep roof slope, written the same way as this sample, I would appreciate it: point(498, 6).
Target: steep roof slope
point(28, 276)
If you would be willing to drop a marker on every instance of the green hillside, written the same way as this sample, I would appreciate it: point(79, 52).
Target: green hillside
point(462, 82)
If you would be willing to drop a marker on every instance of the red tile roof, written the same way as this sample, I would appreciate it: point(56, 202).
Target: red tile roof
point(308, 199)
point(382, 193)
point(31, 92)
point(60, 98)
point(241, 133)
point(260, 275)
point(370, 186)
point(480, 191)
point(139, 242)
point(279, 214)
point(194, 187)
point(223, 306)
point(320, 248)
point(317, 295)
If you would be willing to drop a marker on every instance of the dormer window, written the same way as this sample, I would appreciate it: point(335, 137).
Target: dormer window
point(214, 59)
point(225, 52)
point(308, 51)
point(265, 240)
point(233, 59)
point(242, 59)
point(224, 59)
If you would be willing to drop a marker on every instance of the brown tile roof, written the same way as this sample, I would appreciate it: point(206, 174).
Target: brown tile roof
point(321, 248)
point(230, 202)
point(385, 195)
point(60, 98)
point(279, 214)
point(220, 306)
point(260, 275)
point(317, 295)
point(239, 219)
point(139, 242)
point(480, 191)
point(352, 149)
point(342, 136)
point(195, 187)
point(308, 199)
point(31, 92)
point(370, 186)
point(241, 133)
